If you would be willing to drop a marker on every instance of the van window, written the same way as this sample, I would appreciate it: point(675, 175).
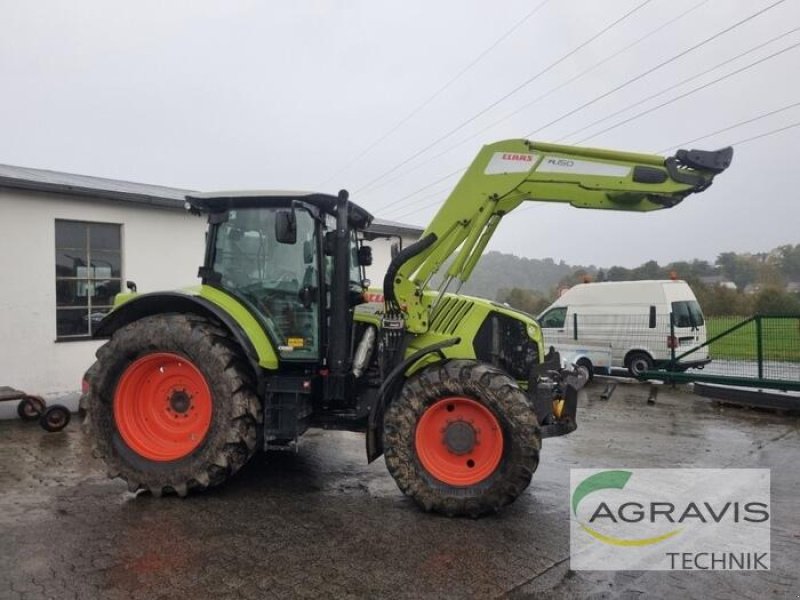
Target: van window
point(687, 314)
point(554, 317)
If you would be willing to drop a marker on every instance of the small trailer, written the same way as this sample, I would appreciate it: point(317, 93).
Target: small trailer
point(31, 408)
point(595, 358)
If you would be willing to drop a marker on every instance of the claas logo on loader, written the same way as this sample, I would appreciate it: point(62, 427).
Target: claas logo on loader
point(522, 157)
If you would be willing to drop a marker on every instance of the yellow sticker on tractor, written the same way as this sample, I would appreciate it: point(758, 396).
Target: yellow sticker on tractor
point(295, 342)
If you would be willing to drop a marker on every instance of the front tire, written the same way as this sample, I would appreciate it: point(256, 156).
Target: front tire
point(461, 439)
point(171, 405)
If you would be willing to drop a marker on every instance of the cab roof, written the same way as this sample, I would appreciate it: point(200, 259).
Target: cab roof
point(222, 201)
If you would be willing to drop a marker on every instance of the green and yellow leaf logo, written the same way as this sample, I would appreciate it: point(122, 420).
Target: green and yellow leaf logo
point(610, 480)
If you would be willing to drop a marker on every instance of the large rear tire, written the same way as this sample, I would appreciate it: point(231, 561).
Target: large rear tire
point(461, 439)
point(171, 405)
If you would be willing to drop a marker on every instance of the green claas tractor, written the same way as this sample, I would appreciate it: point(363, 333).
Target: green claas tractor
point(456, 392)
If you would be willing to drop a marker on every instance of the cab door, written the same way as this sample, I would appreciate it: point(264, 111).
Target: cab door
point(553, 323)
point(275, 276)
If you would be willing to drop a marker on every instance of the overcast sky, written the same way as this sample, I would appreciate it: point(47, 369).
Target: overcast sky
point(288, 95)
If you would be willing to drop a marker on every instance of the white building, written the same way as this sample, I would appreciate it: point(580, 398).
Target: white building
point(53, 224)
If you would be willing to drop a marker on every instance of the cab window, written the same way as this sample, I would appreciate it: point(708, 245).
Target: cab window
point(554, 317)
point(356, 272)
point(278, 279)
point(687, 314)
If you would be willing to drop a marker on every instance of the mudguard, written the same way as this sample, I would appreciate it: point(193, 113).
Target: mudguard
point(389, 389)
point(145, 305)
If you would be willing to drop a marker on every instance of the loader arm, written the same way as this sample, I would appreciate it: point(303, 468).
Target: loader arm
point(506, 174)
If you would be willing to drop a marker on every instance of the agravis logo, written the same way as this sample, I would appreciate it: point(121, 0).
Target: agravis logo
point(610, 480)
point(665, 519)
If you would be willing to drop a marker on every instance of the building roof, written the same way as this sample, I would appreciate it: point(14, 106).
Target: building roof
point(42, 180)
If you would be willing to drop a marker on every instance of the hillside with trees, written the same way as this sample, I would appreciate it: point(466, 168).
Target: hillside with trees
point(735, 284)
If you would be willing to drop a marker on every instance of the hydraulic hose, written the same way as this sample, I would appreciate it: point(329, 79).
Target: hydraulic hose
point(398, 261)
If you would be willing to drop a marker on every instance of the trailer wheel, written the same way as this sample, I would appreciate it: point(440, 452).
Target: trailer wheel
point(171, 405)
point(639, 362)
point(55, 418)
point(586, 364)
point(30, 408)
point(461, 439)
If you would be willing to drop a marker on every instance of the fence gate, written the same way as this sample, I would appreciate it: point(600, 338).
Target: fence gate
point(762, 351)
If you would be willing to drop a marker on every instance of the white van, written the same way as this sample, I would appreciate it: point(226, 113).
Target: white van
point(634, 318)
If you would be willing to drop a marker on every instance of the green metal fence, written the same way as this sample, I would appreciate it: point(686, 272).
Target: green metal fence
point(760, 351)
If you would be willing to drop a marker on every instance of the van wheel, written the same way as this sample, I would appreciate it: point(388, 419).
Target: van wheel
point(638, 363)
point(586, 364)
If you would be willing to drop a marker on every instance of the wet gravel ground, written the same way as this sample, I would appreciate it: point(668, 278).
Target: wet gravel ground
point(322, 523)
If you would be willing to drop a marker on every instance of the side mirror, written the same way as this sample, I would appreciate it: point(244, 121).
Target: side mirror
point(365, 256)
point(285, 227)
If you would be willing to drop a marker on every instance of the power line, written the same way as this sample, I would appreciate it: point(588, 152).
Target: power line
point(546, 94)
point(504, 97)
point(766, 134)
point(729, 127)
point(632, 80)
point(680, 83)
point(690, 92)
point(657, 67)
point(438, 92)
point(431, 184)
point(422, 199)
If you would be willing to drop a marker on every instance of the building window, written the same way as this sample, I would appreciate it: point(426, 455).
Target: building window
point(88, 275)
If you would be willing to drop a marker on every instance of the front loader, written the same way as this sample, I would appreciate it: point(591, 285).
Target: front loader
point(456, 392)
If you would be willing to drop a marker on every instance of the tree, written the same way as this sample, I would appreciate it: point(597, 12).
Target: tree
point(739, 269)
point(789, 261)
point(702, 268)
point(774, 301)
point(718, 300)
point(618, 274)
point(528, 301)
point(649, 270)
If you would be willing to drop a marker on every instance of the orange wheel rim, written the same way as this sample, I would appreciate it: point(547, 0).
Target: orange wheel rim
point(459, 441)
point(162, 406)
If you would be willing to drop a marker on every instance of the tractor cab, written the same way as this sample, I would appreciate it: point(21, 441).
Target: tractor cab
point(283, 256)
